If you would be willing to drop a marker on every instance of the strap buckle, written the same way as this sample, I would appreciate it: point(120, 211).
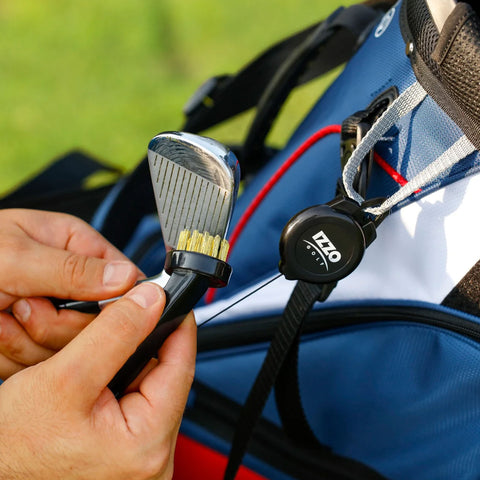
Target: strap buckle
point(204, 96)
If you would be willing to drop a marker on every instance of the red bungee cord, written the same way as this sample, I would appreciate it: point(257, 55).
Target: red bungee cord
point(255, 203)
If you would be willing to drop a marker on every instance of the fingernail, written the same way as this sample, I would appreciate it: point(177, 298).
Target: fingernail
point(22, 310)
point(115, 273)
point(145, 294)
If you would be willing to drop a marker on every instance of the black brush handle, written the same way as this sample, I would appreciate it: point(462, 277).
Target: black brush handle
point(191, 276)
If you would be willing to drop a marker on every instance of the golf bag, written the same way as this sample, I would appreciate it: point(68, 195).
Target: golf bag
point(366, 364)
point(382, 379)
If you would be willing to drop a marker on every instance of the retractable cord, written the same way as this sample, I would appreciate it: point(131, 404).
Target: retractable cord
point(318, 247)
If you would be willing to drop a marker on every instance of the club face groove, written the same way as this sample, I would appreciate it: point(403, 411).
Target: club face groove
point(195, 180)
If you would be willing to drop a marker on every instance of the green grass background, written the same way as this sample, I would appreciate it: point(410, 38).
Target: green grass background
point(105, 76)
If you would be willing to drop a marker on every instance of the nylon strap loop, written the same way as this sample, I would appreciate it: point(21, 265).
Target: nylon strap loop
point(301, 301)
point(404, 104)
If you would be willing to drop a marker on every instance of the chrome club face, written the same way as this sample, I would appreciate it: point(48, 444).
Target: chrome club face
point(195, 181)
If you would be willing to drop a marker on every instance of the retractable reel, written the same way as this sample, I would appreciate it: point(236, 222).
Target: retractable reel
point(325, 243)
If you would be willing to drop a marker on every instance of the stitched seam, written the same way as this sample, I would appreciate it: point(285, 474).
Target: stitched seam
point(439, 57)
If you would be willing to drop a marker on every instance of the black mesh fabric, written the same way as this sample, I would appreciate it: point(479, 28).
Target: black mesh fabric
point(423, 30)
point(460, 66)
point(447, 63)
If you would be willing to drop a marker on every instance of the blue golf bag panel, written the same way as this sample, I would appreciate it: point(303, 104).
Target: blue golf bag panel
point(399, 390)
point(411, 144)
point(385, 391)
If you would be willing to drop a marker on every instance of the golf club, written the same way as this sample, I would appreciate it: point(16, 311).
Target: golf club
point(195, 181)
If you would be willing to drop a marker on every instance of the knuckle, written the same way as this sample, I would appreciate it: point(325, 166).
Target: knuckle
point(74, 269)
point(126, 326)
point(10, 343)
point(156, 463)
point(63, 380)
point(38, 330)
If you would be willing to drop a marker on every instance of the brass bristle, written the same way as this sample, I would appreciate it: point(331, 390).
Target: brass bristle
point(183, 240)
point(192, 241)
point(223, 252)
point(207, 244)
point(216, 245)
point(197, 242)
point(203, 243)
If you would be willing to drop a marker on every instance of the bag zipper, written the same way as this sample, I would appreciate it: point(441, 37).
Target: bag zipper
point(218, 413)
point(258, 330)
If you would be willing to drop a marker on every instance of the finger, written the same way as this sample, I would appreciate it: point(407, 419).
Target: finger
point(134, 386)
point(6, 300)
point(90, 361)
point(65, 232)
point(34, 269)
point(16, 344)
point(9, 367)
point(166, 387)
point(46, 325)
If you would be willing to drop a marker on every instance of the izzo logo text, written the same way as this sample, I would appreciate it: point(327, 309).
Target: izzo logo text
point(323, 250)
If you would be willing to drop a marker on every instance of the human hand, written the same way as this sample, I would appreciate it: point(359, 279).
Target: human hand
point(59, 421)
point(46, 254)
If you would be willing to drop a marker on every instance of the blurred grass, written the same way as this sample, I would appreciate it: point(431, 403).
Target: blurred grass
point(107, 76)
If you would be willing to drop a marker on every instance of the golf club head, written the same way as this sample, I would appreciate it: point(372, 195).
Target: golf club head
point(195, 180)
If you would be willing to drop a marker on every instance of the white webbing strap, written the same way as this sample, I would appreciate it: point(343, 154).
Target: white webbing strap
point(404, 104)
point(458, 151)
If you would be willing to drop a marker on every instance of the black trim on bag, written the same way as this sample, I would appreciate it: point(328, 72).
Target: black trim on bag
point(259, 330)
point(446, 63)
point(218, 414)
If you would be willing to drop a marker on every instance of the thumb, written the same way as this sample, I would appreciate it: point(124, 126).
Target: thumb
point(88, 363)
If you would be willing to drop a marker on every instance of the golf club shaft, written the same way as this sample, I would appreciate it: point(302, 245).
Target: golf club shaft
point(95, 306)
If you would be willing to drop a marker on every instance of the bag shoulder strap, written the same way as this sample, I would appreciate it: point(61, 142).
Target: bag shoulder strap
point(465, 296)
point(267, 80)
point(447, 62)
point(62, 186)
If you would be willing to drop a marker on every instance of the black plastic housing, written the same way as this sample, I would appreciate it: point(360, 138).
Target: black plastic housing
point(325, 243)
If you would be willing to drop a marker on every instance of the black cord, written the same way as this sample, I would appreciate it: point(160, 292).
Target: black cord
point(240, 300)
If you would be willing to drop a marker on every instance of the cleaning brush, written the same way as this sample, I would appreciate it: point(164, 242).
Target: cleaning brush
point(195, 181)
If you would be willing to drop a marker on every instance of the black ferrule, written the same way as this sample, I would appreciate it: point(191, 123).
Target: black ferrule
point(77, 305)
point(217, 271)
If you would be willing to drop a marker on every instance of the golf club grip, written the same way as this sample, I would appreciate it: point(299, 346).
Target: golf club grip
point(96, 306)
point(183, 290)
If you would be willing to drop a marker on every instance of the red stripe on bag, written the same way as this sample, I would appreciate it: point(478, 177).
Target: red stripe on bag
point(255, 203)
point(194, 461)
point(258, 199)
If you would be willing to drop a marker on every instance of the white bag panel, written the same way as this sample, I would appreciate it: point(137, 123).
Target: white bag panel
point(421, 252)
